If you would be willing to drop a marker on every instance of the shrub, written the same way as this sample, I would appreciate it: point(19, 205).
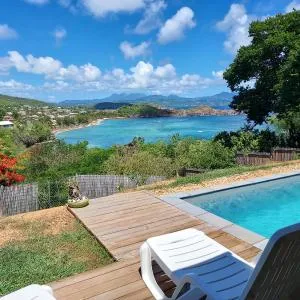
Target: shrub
point(59, 160)
point(246, 141)
point(7, 143)
point(203, 155)
point(32, 133)
point(140, 163)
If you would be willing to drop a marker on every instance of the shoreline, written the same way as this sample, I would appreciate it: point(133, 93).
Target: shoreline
point(93, 123)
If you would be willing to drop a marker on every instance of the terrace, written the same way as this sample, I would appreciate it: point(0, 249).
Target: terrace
point(122, 222)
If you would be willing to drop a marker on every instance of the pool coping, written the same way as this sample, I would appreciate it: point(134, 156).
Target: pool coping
point(257, 240)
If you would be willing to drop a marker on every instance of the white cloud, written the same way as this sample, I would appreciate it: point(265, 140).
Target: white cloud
point(131, 51)
point(58, 85)
point(12, 85)
point(7, 33)
point(100, 8)
point(151, 18)
point(236, 25)
point(5, 65)
point(293, 5)
point(166, 71)
point(37, 2)
point(36, 65)
point(218, 74)
point(50, 67)
point(145, 76)
point(175, 27)
point(142, 76)
point(59, 34)
point(87, 72)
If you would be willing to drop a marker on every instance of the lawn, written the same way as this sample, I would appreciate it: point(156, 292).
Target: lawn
point(45, 246)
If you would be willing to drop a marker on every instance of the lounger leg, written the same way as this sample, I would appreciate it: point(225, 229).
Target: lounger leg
point(193, 293)
point(148, 275)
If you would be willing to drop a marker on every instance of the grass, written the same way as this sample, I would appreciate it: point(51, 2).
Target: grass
point(214, 174)
point(43, 257)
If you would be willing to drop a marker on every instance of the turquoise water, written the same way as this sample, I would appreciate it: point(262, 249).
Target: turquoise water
point(263, 208)
point(122, 131)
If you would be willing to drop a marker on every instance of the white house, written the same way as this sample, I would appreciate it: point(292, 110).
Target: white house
point(6, 124)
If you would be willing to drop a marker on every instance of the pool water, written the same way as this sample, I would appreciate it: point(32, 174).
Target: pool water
point(263, 207)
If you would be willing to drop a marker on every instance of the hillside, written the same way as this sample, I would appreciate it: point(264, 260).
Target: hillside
point(18, 101)
point(220, 100)
point(110, 105)
point(149, 111)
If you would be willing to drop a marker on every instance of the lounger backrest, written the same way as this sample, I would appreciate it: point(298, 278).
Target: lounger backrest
point(277, 274)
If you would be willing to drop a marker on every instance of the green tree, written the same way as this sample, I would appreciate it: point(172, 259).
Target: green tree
point(266, 74)
point(32, 133)
point(288, 128)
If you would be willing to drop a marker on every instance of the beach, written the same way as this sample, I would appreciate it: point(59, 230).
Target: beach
point(70, 128)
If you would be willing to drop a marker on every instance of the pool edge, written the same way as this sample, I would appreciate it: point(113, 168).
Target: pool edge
point(179, 200)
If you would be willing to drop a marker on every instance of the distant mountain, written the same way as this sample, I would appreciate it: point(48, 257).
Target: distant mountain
point(221, 100)
point(6, 100)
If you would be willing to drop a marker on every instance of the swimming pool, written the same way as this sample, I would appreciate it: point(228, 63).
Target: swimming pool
point(261, 207)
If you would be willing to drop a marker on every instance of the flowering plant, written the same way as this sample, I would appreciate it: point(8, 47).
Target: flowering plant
point(8, 171)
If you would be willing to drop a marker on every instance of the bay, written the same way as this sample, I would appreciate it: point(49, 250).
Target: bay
point(122, 131)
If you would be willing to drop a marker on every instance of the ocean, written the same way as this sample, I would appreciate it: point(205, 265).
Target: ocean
point(122, 131)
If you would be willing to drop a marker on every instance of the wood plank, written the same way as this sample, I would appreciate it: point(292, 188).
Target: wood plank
point(144, 235)
point(119, 227)
point(128, 291)
point(90, 274)
point(131, 218)
point(93, 283)
point(143, 228)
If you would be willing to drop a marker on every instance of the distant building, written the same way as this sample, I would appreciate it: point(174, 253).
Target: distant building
point(6, 124)
point(8, 118)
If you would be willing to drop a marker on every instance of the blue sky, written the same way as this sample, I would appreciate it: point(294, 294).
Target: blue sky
point(73, 49)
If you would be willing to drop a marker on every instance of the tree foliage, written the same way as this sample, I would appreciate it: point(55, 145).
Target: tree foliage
point(247, 141)
point(58, 159)
point(32, 133)
point(288, 128)
point(266, 74)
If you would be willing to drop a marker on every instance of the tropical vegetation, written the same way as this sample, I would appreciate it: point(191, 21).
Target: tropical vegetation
point(265, 75)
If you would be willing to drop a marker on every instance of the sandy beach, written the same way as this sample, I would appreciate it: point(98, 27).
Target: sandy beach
point(94, 123)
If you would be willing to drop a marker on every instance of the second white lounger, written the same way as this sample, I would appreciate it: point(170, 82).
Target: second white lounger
point(201, 267)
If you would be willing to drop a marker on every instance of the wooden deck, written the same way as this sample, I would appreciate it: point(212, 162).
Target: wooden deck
point(122, 222)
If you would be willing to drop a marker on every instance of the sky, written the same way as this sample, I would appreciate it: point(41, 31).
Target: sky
point(83, 49)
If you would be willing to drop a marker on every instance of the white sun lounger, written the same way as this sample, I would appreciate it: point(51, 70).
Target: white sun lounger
point(31, 292)
point(201, 267)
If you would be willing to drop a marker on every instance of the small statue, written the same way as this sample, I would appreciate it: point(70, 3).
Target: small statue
point(76, 200)
point(74, 191)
